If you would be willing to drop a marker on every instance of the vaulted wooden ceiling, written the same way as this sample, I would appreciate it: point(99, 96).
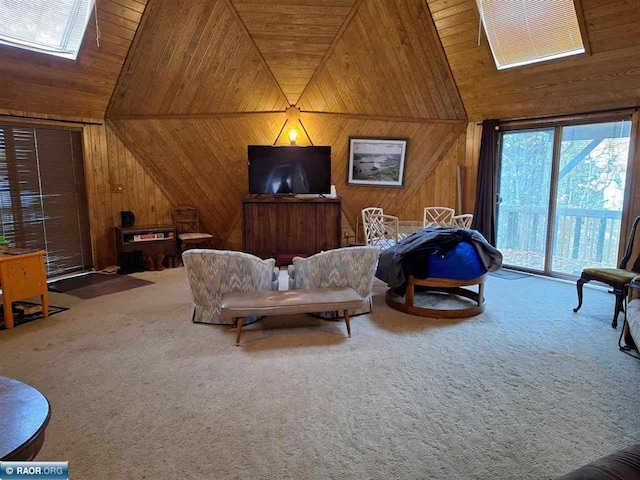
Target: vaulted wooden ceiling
point(206, 78)
point(293, 37)
point(39, 83)
point(607, 78)
point(284, 43)
point(366, 57)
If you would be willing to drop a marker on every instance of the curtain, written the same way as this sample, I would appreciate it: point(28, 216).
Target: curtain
point(484, 215)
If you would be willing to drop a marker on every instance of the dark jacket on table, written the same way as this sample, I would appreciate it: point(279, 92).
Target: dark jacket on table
point(409, 256)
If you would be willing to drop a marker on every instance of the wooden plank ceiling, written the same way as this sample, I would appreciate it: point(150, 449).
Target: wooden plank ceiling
point(194, 57)
point(206, 78)
point(404, 74)
point(607, 78)
point(39, 83)
point(293, 36)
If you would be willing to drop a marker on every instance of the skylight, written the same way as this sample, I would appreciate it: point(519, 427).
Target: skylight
point(55, 27)
point(521, 32)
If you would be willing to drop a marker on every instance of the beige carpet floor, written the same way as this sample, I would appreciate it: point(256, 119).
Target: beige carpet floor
point(527, 390)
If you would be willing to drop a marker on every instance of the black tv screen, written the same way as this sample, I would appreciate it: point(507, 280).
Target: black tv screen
point(289, 169)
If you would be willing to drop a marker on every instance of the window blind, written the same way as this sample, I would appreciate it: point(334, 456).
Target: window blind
point(55, 27)
point(43, 202)
point(521, 32)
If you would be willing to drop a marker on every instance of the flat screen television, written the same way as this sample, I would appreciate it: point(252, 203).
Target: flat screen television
point(282, 170)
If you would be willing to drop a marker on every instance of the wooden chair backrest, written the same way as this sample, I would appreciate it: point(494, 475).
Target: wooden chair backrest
point(463, 221)
point(438, 217)
point(631, 250)
point(384, 230)
point(186, 219)
point(366, 213)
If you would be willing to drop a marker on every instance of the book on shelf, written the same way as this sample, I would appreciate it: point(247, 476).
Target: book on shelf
point(148, 236)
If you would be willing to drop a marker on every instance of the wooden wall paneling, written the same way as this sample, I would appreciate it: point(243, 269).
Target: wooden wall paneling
point(195, 168)
point(194, 57)
point(428, 145)
point(428, 138)
point(108, 163)
point(470, 163)
point(445, 193)
point(293, 36)
point(43, 84)
point(140, 194)
point(98, 195)
point(202, 162)
point(388, 62)
point(605, 79)
point(234, 239)
point(147, 137)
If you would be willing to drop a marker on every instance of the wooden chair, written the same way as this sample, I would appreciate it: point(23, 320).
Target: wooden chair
point(438, 217)
point(384, 231)
point(187, 221)
point(463, 220)
point(617, 278)
point(366, 213)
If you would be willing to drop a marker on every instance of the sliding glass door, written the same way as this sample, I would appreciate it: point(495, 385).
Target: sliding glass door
point(560, 196)
point(523, 209)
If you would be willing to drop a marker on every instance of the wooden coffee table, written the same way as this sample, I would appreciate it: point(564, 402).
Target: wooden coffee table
point(24, 415)
point(237, 305)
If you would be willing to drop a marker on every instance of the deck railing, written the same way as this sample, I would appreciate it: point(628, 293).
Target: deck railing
point(584, 238)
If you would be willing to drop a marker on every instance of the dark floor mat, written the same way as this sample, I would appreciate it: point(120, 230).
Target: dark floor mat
point(79, 281)
point(96, 284)
point(24, 312)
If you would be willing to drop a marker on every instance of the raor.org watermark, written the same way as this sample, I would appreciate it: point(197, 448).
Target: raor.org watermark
point(34, 470)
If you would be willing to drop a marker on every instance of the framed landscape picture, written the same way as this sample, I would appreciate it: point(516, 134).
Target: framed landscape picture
point(377, 162)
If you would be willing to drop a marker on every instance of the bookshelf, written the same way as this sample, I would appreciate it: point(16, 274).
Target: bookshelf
point(151, 239)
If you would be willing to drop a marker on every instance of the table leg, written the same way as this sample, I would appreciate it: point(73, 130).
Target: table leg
point(44, 300)
point(346, 320)
point(8, 310)
point(239, 322)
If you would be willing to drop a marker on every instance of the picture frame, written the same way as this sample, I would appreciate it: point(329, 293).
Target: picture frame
point(377, 162)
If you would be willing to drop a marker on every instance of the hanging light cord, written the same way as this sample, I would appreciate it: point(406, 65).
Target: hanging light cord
point(95, 14)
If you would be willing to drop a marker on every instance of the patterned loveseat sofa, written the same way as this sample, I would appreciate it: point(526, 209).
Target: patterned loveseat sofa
point(212, 273)
point(341, 267)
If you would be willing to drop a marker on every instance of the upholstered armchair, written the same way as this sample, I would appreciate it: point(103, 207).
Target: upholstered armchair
point(212, 273)
point(341, 267)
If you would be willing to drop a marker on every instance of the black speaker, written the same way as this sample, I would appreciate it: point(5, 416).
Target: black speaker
point(127, 218)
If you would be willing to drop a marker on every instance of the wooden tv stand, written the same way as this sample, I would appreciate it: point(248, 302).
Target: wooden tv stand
point(280, 227)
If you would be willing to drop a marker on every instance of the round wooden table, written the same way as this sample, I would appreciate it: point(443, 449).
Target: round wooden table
point(24, 415)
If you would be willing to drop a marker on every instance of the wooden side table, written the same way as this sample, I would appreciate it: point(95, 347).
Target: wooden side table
point(22, 276)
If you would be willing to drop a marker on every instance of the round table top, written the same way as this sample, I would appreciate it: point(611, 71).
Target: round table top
point(24, 415)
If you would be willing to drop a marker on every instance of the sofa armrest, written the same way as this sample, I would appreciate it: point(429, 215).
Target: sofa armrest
point(291, 272)
point(275, 278)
